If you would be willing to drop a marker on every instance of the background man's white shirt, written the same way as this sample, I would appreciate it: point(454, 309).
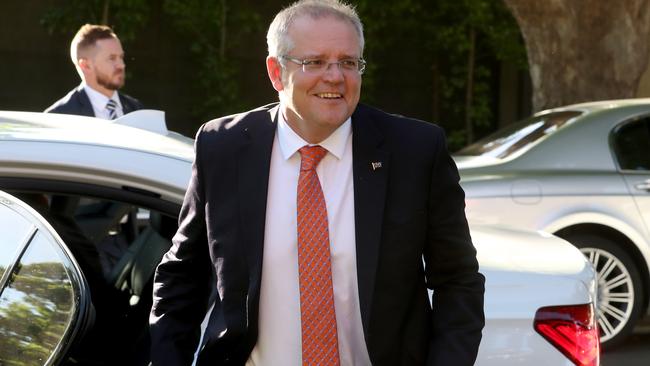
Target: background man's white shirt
point(99, 100)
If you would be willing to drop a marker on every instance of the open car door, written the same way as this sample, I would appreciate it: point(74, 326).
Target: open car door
point(44, 298)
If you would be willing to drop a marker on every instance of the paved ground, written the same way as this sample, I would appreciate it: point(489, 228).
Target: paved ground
point(634, 352)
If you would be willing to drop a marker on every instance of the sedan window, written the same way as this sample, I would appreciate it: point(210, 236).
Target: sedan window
point(632, 145)
point(37, 306)
point(15, 231)
point(520, 135)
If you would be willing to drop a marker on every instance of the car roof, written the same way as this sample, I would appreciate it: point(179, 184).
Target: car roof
point(72, 129)
point(599, 105)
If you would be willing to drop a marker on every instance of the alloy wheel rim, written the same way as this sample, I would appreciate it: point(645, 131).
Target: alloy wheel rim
point(615, 292)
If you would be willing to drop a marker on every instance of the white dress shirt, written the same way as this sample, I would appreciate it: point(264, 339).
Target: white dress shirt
point(279, 339)
point(99, 101)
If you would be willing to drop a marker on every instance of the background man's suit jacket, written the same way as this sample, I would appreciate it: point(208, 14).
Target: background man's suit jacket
point(77, 102)
point(410, 207)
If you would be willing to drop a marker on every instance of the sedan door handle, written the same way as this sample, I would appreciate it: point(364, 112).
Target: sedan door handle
point(645, 186)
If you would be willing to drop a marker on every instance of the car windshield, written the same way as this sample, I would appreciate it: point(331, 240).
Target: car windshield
point(519, 135)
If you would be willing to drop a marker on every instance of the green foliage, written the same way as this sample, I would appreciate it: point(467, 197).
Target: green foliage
point(435, 37)
point(126, 17)
point(210, 29)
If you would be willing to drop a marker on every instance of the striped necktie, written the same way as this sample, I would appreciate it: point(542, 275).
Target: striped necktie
point(112, 109)
point(317, 313)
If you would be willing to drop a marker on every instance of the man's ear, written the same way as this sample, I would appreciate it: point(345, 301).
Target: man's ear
point(84, 64)
point(274, 70)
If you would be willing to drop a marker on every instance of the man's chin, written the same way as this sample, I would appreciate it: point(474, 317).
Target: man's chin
point(335, 117)
point(113, 86)
point(117, 85)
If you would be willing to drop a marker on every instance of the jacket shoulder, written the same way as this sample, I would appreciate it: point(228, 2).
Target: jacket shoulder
point(241, 122)
point(395, 126)
point(130, 103)
point(69, 104)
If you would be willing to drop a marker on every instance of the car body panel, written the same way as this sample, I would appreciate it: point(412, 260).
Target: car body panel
point(568, 181)
point(639, 188)
point(51, 146)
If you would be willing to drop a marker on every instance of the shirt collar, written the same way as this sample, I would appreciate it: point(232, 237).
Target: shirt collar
point(290, 142)
point(99, 100)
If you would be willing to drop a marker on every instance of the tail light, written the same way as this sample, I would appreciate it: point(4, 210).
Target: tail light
point(571, 329)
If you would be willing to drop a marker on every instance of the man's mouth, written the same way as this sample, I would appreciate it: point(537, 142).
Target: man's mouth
point(329, 95)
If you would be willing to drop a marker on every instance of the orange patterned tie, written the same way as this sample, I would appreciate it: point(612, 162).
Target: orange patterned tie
point(319, 338)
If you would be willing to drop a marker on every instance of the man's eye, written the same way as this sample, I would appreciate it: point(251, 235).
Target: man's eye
point(314, 63)
point(349, 64)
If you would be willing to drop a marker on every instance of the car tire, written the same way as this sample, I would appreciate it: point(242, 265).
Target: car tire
point(620, 290)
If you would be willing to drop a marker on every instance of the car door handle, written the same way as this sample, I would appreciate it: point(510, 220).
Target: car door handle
point(645, 186)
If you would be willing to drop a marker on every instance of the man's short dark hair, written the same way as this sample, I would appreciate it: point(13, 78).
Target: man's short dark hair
point(86, 38)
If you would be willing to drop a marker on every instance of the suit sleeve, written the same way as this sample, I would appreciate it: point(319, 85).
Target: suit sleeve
point(183, 279)
point(452, 268)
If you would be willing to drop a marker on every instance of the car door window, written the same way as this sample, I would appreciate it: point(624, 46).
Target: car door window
point(520, 135)
point(37, 305)
point(632, 145)
point(42, 298)
point(15, 230)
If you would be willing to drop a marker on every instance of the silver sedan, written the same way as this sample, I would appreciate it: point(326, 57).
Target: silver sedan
point(581, 172)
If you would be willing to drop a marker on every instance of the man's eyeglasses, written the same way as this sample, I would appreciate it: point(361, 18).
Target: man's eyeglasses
point(317, 66)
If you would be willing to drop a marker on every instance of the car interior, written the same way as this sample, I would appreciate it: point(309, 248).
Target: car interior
point(117, 239)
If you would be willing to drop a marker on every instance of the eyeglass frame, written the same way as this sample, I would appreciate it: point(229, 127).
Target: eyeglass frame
point(303, 63)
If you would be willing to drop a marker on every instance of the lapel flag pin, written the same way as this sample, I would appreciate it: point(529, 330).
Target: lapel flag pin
point(376, 165)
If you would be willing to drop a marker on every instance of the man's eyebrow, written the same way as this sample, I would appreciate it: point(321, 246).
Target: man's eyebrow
point(312, 56)
point(322, 56)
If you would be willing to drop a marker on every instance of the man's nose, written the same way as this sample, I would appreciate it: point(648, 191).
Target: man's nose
point(333, 72)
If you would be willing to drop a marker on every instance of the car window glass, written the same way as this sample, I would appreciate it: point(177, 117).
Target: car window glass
point(36, 306)
point(632, 145)
point(15, 230)
point(520, 135)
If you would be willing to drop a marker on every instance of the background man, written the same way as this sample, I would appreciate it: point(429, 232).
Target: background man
point(98, 57)
point(314, 216)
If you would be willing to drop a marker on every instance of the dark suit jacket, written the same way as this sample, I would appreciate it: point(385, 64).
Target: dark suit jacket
point(77, 102)
point(408, 209)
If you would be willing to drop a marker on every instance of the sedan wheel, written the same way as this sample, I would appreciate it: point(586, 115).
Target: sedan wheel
point(619, 287)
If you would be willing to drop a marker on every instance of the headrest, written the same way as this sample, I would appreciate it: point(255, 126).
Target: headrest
point(164, 225)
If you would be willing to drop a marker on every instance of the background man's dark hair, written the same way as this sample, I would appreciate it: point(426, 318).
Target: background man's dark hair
point(86, 38)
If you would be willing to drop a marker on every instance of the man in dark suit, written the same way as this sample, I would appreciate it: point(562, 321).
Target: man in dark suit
point(315, 226)
point(98, 57)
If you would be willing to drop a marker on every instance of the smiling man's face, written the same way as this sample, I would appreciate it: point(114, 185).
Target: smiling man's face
point(316, 104)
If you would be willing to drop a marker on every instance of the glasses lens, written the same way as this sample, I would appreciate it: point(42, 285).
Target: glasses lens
point(314, 66)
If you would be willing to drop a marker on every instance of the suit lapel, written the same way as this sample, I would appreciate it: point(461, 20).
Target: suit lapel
point(253, 176)
point(85, 107)
point(126, 106)
point(370, 170)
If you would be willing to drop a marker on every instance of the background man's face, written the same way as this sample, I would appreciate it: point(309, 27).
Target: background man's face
point(320, 103)
point(107, 63)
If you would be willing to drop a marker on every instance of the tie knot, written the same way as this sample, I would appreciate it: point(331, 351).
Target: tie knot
point(311, 156)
